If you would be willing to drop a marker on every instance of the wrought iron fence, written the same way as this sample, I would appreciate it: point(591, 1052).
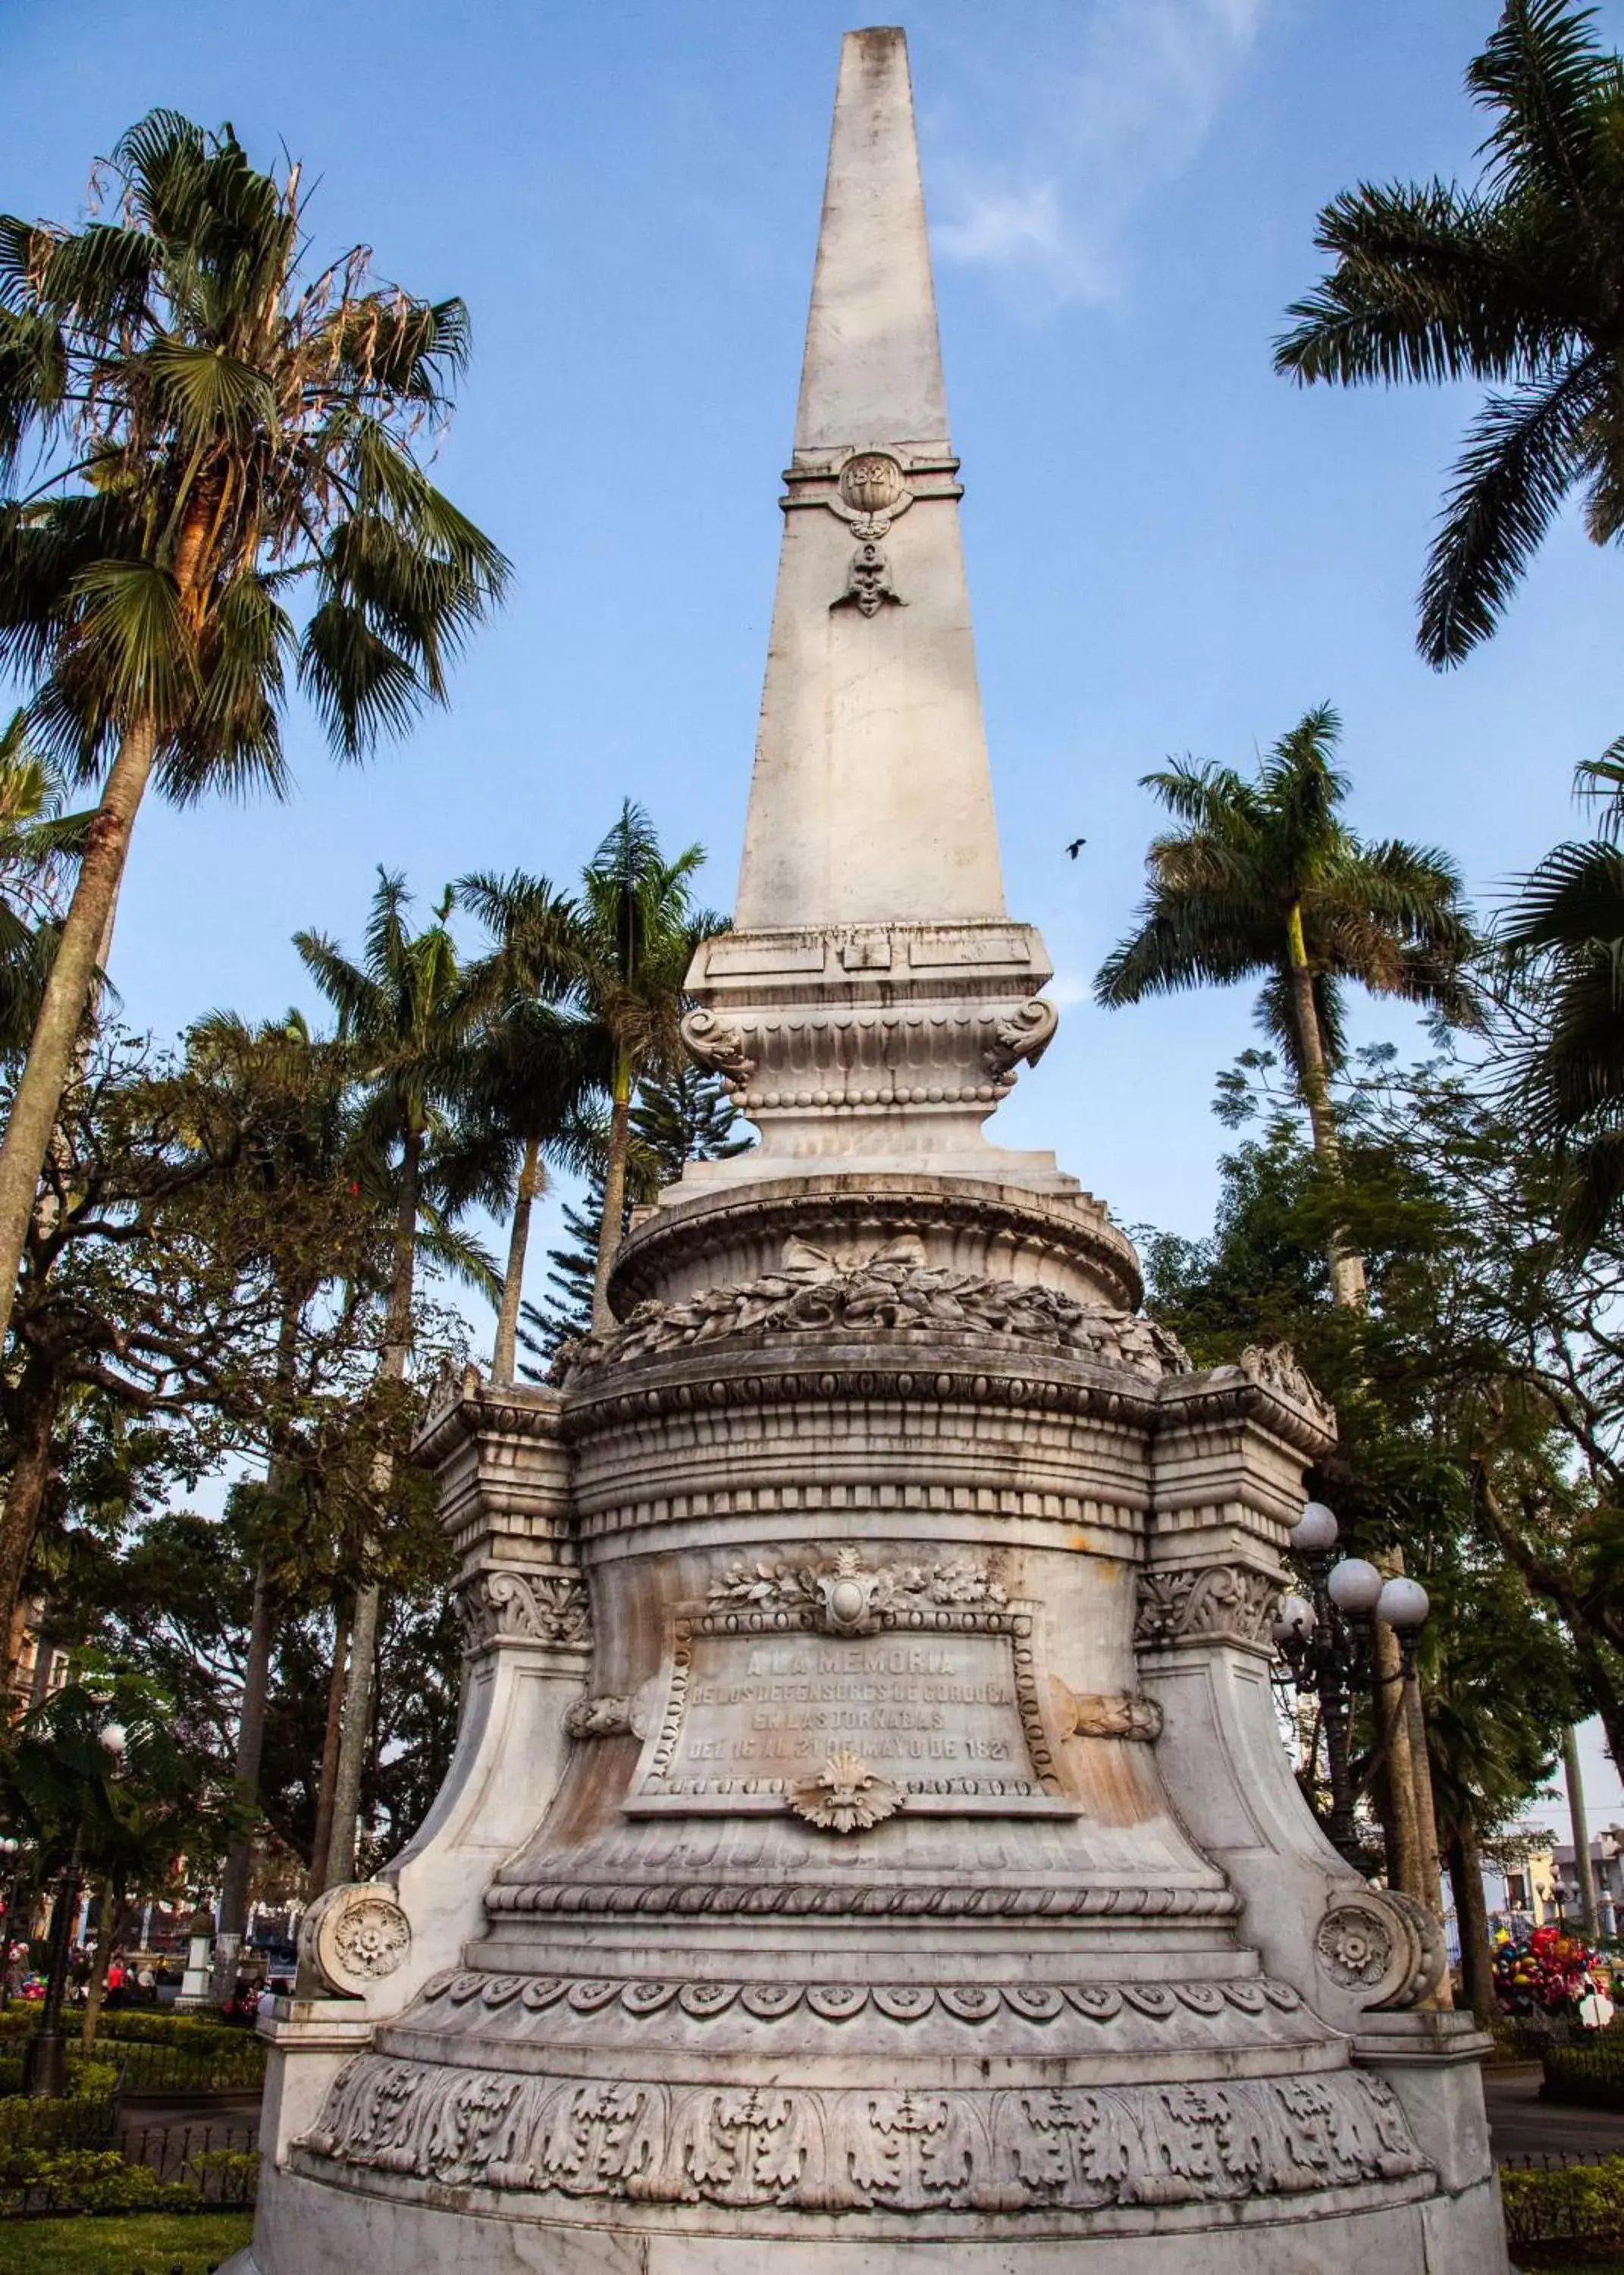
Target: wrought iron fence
point(220, 2161)
point(235, 2064)
point(175, 2168)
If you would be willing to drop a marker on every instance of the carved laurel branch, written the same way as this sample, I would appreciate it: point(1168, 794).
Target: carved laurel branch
point(970, 2003)
point(883, 1297)
point(1013, 2149)
point(498, 1606)
point(1190, 1604)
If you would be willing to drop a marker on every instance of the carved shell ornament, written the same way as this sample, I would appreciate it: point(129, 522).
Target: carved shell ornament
point(846, 1797)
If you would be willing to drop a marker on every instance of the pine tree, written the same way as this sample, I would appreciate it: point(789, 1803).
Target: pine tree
point(688, 1118)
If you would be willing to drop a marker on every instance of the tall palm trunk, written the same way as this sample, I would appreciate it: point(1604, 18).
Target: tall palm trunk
point(1347, 1267)
point(369, 1598)
point(614, 1195)
point(326, 1776)
point(504, 1355)
point(50, 1053)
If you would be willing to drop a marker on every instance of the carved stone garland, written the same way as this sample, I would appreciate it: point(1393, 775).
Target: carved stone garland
point(884, 1297)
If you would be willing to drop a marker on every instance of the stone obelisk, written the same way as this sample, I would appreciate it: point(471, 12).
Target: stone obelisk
point(869, 1841)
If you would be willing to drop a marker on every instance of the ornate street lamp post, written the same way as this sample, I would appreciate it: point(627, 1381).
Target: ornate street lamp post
point(1328, 1641)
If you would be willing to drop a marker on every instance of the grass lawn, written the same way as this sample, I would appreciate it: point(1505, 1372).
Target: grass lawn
point(146, 2243)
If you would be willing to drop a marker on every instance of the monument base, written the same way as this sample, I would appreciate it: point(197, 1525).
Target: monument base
point(311, 2227)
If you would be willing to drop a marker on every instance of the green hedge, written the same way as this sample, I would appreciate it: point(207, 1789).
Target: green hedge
point(87, 2180)
point(1591, 2074)
point(85, 2118)
point(1582, 2203)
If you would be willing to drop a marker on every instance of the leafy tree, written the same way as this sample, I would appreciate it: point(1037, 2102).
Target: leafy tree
point(1517, 282)
point(1265, 879)
point(225, 441)
point(411, 1014)
point(1480, 1395)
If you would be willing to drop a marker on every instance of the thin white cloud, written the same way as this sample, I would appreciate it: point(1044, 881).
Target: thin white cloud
point(1143, 83)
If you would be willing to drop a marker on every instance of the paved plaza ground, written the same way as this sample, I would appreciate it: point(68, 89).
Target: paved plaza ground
point(1521, 2125)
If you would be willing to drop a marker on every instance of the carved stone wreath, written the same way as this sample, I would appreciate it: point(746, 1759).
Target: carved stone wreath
point(882, 1297)
point(1354, 1944)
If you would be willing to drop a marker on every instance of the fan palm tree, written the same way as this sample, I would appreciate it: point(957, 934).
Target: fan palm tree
point(634, 937)
point(1263, 879)
point(538, 1070)
point(1518, 282)
point(409, 1012)
point(234, 498)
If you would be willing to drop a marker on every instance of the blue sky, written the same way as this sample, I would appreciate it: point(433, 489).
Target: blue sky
point(1170, 550)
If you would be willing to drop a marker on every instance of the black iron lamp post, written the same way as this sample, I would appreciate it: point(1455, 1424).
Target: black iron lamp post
point(45, 2059)
point(1327, 1640)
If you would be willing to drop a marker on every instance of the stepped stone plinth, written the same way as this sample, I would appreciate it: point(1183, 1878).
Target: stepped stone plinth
point(870, 1839)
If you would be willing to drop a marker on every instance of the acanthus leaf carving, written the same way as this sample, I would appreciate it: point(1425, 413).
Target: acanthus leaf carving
point(895, 2149)
point(717, 1043)
point(502, 1606)
point(846, 1795)
point(1026, 1035)
point(1212, 1603)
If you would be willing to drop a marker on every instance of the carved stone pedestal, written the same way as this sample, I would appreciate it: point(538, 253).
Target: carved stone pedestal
point(912, 1876)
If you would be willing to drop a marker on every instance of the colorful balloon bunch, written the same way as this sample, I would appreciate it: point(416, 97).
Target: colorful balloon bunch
point(1549, 1974)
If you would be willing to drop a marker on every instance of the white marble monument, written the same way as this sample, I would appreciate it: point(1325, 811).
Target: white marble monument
point(869, 1839)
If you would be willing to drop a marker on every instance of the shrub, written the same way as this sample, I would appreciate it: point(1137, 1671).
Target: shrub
point(1582, 2203)
point(83, 2119)
point(88, 2180)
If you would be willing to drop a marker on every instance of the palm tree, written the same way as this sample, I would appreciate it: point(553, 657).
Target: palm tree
point(409, 1012)
point(1565, 940)
point(1518, 282)
point(634, 939)
point(227, 442)
point(536, 1069)
point(1265, 879)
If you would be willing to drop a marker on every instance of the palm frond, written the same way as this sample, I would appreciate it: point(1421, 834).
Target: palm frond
point(1525, 452)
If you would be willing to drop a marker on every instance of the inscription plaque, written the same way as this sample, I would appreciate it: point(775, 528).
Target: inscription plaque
point(777, 1673)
